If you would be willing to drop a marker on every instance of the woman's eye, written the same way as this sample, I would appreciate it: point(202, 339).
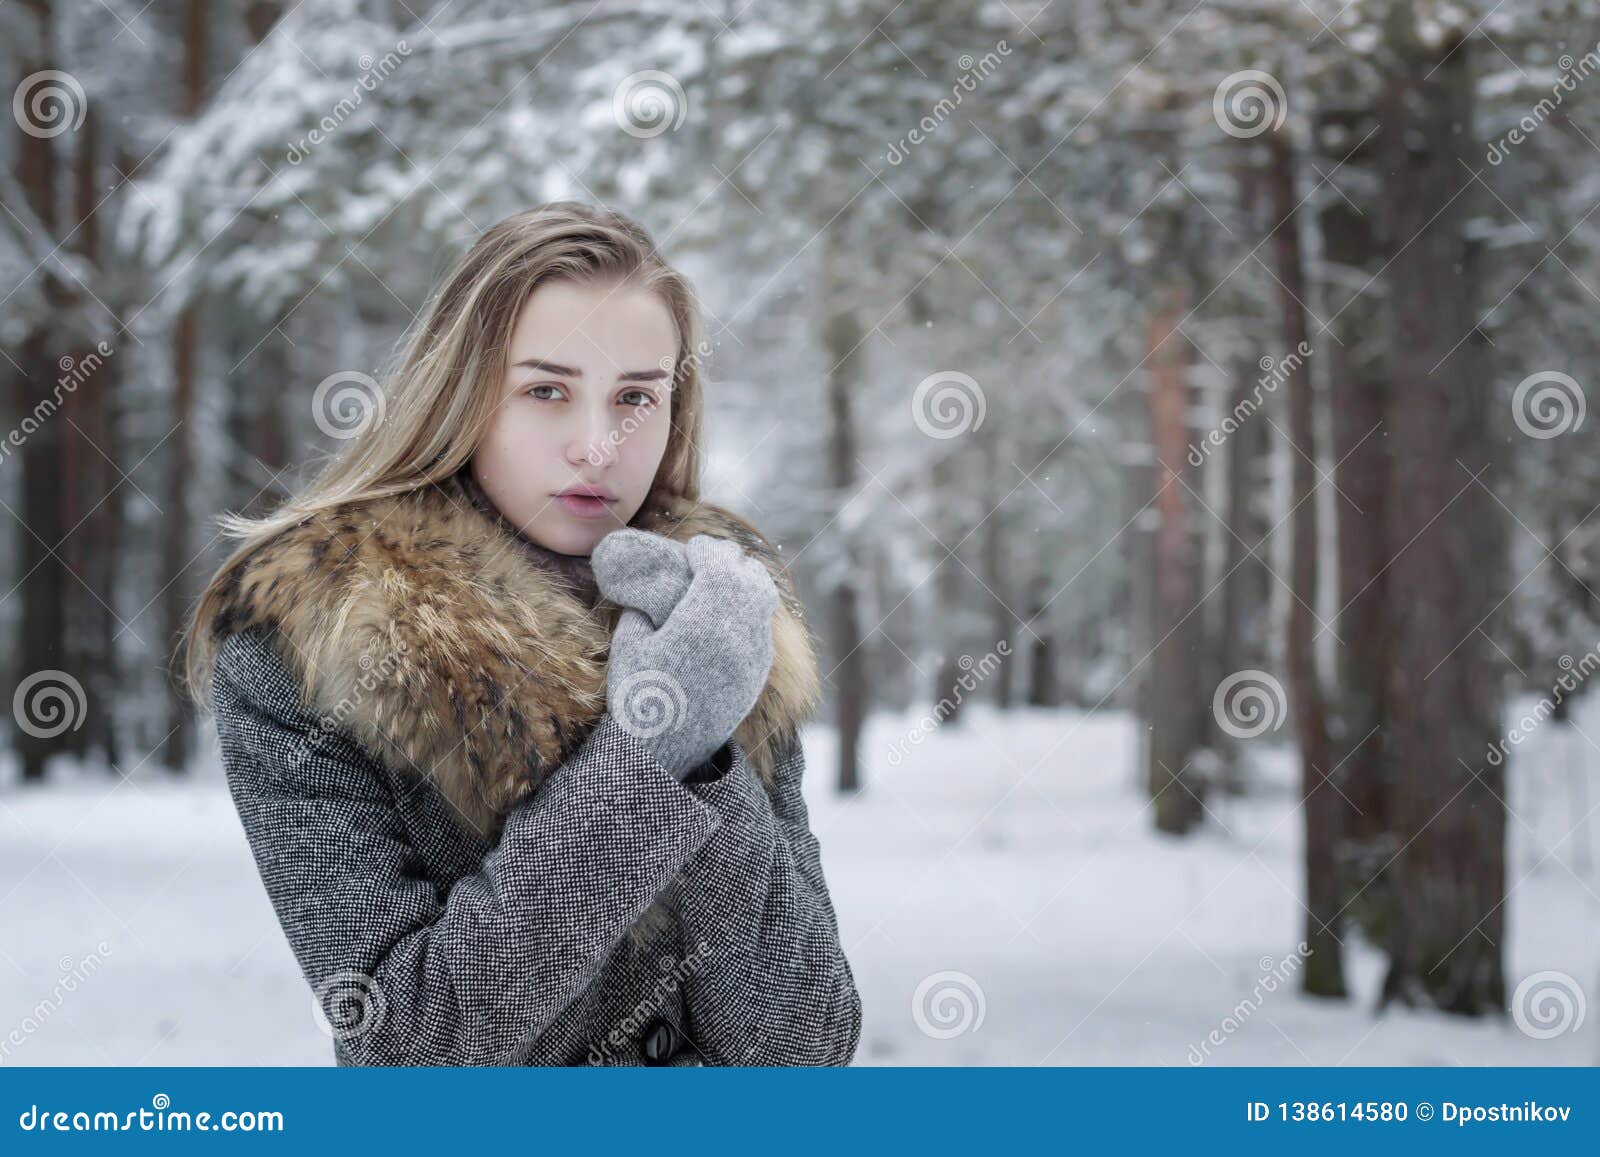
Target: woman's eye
point(533, 392)
point(640, 398)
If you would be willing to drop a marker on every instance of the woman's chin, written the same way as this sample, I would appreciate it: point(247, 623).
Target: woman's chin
point(575, 540)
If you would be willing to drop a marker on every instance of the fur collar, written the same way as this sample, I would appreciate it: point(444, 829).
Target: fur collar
point(421, 623)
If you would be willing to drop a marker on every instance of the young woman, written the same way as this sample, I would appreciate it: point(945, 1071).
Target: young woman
point(511, 717)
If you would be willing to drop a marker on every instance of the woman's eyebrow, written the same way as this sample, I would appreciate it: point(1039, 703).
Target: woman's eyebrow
point(562, 371)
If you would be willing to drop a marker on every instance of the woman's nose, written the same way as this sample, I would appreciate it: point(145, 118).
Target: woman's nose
point(596, 445)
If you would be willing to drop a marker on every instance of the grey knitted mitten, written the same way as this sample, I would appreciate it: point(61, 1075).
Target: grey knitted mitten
point(693, 647)
point(649, 572)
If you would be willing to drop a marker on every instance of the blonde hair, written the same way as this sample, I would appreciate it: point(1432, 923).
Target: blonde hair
point(446, 383)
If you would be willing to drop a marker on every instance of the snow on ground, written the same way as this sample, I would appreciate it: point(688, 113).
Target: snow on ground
point(1007, 866)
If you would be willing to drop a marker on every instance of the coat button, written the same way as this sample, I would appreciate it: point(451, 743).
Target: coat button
point(659, 1042)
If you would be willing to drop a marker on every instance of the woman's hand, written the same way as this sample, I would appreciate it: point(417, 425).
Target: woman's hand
point(636, 568)
point(683, 674)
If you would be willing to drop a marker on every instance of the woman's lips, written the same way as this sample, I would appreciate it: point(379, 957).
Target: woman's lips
point(582, 506)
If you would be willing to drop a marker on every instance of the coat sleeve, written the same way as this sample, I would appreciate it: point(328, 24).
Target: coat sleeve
point(772, 986)
point(409, 976)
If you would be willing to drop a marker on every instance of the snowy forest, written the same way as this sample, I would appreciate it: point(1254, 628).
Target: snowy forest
point(1173, 414)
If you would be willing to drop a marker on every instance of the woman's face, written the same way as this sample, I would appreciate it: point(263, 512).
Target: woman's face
point(586, 405)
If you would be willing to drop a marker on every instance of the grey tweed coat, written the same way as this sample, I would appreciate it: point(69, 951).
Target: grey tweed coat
point(591, 910)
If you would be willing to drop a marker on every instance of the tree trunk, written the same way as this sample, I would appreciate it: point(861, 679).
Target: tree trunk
point(93, 515)
point(1324, 972)
point(1447, 936)
point(1044, 683)
point(948, 584)
point(1175, 723)
point(842, 339)
point(1354, 253)
point(995, 568)
point(42, 731)
point(175, 558)
point(1245, 628)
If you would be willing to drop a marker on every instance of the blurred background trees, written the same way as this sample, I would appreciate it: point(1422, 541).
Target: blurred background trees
point(1223, 364)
